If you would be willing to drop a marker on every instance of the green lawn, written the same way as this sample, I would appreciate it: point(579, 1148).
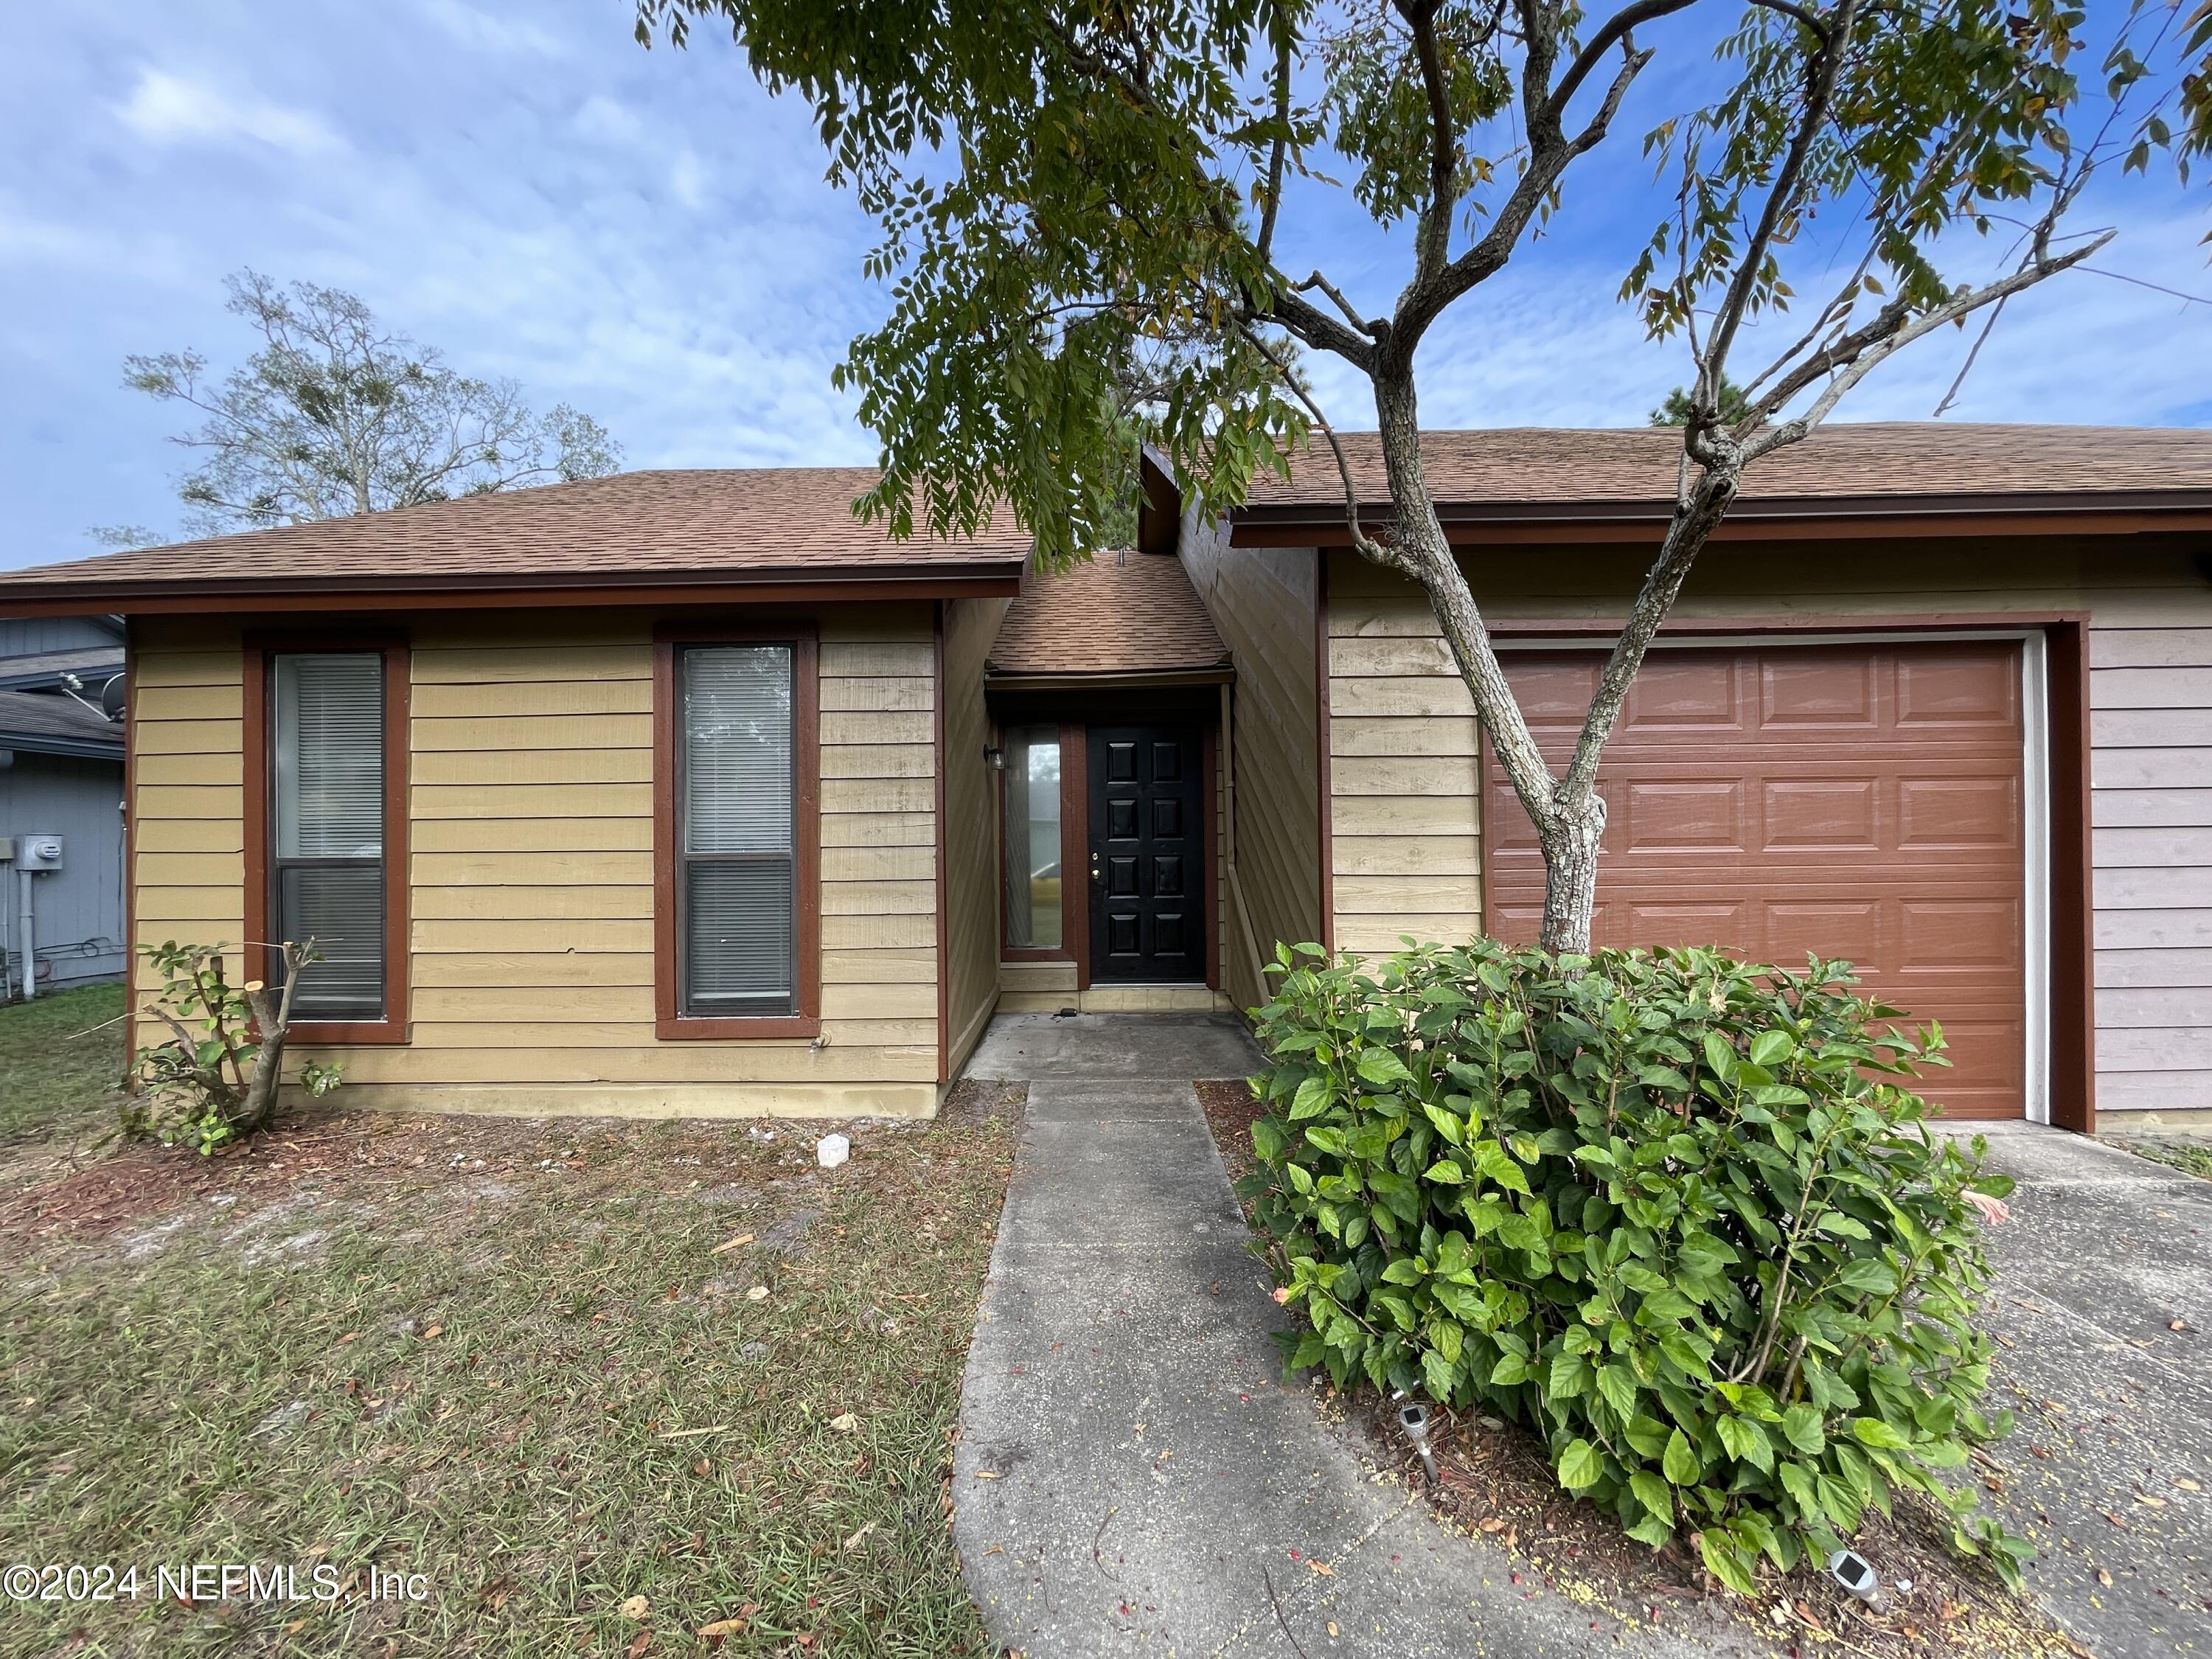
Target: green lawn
point(61, 1058)
point(507, 1356)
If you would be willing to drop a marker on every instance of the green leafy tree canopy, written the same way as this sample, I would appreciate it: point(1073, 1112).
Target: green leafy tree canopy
point(1068, 187)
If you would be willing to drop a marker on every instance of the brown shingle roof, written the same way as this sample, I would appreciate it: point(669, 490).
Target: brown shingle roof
point(631, 527)
point(1115, 613)
point(1885, 466)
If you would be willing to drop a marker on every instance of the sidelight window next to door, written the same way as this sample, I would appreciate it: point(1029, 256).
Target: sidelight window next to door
point(1033, 858)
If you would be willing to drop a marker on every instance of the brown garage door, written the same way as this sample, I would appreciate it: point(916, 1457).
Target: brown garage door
point(1862, 802)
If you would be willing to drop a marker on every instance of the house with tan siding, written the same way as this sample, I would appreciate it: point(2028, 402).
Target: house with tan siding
point(688, 792)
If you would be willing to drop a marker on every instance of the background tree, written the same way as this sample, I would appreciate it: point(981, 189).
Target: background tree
point(335, 415)
point(1679, 406)
point(1064, 188)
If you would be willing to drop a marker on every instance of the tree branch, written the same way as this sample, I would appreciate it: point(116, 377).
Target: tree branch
point(1367, 546)
point(1780, 202)
point(1615, 28)
point(1858, 355)
point(1434, 237)
point(1275, 158)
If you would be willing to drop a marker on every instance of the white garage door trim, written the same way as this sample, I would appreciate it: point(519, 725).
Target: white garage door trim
point(2035, 774)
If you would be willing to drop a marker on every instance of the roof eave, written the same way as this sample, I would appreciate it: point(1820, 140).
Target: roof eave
point(2119, 512)
point(1110, 678)
point(43, 743)
point(983, 578)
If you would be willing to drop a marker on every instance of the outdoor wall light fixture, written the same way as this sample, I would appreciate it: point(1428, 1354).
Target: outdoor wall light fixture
point(994, 758)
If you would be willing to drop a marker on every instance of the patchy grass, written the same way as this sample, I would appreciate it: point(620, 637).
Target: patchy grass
point(1493, 1482)
point(61, 1064)
point(2190, 1157)
point(611, 1387)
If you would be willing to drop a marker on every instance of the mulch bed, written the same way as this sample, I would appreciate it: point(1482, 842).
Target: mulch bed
point(1494, 1482)
point(343, 1154)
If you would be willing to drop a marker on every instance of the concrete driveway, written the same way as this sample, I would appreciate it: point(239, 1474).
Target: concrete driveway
point(2104, 1254)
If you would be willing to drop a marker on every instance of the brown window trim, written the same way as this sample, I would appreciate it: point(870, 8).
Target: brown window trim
point(1072, 894)
point(670, 1023)
point(392, 1029)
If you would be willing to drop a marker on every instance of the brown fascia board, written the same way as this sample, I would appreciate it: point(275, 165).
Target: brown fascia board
point(1121, 680)
point(981, 578)
point(2131, 512)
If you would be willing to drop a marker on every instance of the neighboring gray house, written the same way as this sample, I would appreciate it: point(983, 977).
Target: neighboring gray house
point(61, 777)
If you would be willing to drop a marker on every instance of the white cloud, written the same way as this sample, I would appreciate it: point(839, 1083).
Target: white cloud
point(602, 117)
point(169, 109)
point(481, 30)
point(688, 180)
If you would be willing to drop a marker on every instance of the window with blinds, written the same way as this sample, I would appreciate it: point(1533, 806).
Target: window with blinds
point(327, 869)
point(738, 881)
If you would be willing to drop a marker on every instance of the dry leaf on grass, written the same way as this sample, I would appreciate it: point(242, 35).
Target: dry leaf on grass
point(635, 1607)
point(844, 1422)
point(730, 1244)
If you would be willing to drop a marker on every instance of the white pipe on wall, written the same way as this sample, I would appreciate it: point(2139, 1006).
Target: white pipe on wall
point(30, 937)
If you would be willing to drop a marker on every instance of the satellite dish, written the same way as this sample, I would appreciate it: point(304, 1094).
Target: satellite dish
point(112, 696)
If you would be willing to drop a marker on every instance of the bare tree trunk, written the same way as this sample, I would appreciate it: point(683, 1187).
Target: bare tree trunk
point(1568, 813)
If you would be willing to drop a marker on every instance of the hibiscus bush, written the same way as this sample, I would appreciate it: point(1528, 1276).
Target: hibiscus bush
point(1682, 1216)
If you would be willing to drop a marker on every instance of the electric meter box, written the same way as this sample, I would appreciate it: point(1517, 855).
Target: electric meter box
point(38, 852)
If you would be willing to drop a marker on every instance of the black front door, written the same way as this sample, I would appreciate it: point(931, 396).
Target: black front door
point(1147, 855)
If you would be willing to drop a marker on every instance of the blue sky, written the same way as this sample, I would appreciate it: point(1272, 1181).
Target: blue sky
point(649, 236)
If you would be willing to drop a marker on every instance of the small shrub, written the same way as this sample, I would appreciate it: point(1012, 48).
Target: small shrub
point(216, 1080)
point(1680, 1215)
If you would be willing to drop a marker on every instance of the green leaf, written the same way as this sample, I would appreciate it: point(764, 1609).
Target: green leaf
point(1680, 1464)
point(1445, 1172)
point(1618, 1384)
point(1450, 1124)
point(1580, 1465)
point(1439, 1373)
point(1798, 1483)
point(1651, 1491)
point(1383, 1068)
point(1725, 1560)
point(1802, 1426)
point(1771, 1049)
point(1312, 1097)
point(1494, 1161)
point(1873, 1431)
point(1746, 1442)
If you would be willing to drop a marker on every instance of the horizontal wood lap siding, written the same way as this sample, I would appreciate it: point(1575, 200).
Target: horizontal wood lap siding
point(2150, 721)
point(187, 798)
point(532, 865)
point(533, 872)
point(1406, 799)
point(2150, 641)
point(1263, 602)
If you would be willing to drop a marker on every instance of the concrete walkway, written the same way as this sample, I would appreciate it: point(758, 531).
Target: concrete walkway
point(1131, 1476)
point(2106, 1252)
